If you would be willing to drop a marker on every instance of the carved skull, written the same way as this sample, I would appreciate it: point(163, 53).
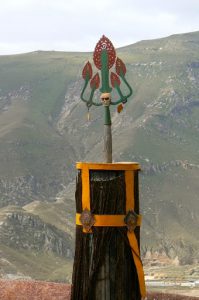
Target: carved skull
point(106, 99)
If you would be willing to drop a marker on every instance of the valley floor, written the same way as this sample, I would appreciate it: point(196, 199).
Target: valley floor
point(40, 290)
point(183, 280)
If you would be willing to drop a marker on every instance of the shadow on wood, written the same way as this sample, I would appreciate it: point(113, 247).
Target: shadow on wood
point(104, 268)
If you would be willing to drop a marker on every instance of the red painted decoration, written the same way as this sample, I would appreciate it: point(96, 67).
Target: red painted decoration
point(114, 80)
point(95, 81)
point(104, 44)
point(87, 71)
point(120, 67)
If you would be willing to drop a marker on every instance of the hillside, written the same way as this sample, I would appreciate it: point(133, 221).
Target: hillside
point(44, 131)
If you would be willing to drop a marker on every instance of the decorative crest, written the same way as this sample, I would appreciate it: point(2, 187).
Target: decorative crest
point(95, 82)
point(104, 58)
point(120, 67)
point(131, 220)
point(115, 80)
point(104, 44)
point(87, 71)
point(87, 219)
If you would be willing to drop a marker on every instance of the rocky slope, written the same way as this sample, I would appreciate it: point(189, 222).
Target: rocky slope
point(44, 131)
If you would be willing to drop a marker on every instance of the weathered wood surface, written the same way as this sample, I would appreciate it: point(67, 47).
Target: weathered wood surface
point(103, 266)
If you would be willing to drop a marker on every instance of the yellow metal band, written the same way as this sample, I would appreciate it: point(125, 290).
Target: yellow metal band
point(138, 263)
point(85, 188)
point(129, 182)
point(120, 166)
point(109, 220)
point(130, 205)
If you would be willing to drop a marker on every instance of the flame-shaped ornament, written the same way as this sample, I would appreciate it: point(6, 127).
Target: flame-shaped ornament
point(120, 67)
point(87, 71)
point(95, 82)
point(104, 44)
point(115, 81)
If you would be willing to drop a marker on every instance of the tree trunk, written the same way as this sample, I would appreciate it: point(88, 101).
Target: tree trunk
point(104, 268)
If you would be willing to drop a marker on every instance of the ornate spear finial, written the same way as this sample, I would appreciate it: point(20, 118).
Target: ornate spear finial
point(104, 58)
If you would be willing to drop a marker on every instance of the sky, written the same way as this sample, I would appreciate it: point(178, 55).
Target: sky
point(77, 25)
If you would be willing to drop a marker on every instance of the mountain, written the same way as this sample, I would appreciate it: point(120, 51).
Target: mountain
point(44, 131)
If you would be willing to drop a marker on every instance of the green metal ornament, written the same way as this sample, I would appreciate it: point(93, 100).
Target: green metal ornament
point(104, 58)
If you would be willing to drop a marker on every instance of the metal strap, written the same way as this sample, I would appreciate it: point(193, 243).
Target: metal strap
point(130, 204)
point(108, 220)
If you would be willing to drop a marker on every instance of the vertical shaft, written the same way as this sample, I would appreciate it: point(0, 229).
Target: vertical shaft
point(107, 144)
point(105, 73)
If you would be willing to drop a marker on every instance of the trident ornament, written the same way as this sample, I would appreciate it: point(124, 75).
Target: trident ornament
point(104, 58)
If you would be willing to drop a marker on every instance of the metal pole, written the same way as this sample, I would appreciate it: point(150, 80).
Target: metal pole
point(104, 58)
point(107, 144)
point(106, 100)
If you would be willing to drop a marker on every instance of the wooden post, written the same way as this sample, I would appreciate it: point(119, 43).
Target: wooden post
point(104, 266)
point(107, 263)
point(107, 144)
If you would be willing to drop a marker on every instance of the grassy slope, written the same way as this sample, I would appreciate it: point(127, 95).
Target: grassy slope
point(158, 126)
point(31, 145)
point(167, 137)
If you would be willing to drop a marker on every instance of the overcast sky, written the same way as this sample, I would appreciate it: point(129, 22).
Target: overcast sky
point(77, 25)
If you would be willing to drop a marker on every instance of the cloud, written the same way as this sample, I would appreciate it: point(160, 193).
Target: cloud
point(77, 25)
